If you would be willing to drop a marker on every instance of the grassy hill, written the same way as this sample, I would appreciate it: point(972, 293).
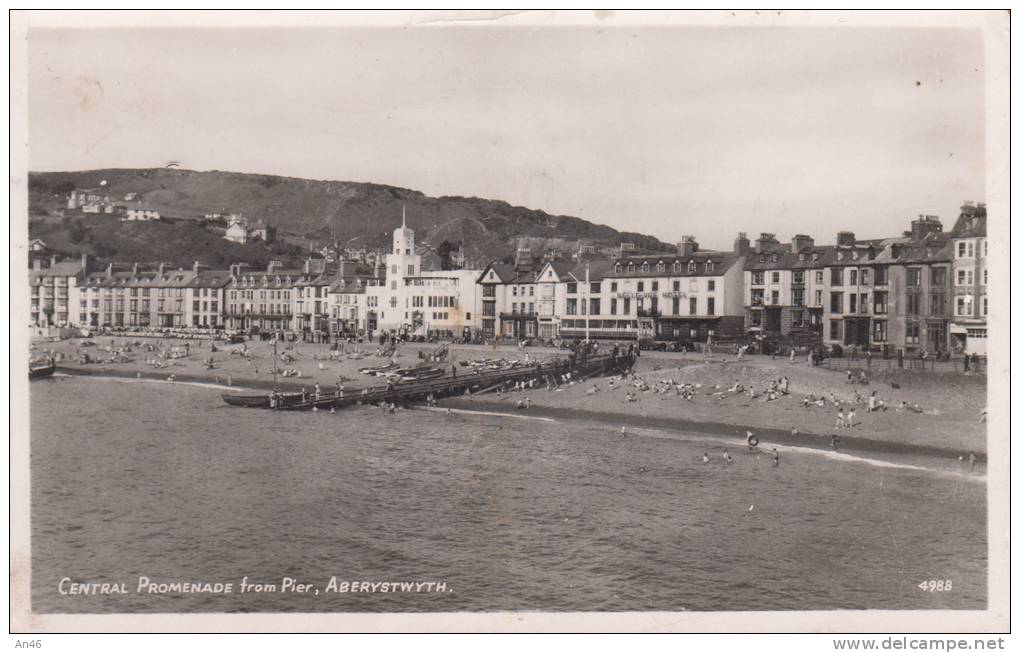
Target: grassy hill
point(303, 210)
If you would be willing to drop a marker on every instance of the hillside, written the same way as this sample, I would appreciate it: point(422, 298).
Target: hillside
point(313, 210)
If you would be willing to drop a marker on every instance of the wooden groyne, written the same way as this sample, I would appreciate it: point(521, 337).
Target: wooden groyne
point(469, 382)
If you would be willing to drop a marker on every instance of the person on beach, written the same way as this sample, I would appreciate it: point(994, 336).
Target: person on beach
point(752, 441)
point(793, 356)
point(775, 457)
point(834, 442)
point(850, 418)
point(840, 419)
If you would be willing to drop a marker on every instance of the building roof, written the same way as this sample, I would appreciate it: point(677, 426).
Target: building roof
point(936, 248)
point(211, 279)
point(970, 225)
point(348, 285)
point(633, 266)
point(507, 273)
point(560, 268)
point(62, 269)
point(596, 270)
point(141, 279)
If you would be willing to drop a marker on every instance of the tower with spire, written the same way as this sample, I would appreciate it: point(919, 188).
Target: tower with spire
point(402, 261)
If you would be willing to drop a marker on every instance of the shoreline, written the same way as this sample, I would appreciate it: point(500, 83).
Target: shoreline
point(491, 407)
point(770, 435)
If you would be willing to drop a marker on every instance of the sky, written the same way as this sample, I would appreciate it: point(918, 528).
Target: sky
point(668, 131)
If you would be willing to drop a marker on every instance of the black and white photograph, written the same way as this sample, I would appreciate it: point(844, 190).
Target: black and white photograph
point(499, 320)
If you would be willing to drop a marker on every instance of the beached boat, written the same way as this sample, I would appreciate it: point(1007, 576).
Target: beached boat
point(41, 370)
point(376, 371)
point(422, 374)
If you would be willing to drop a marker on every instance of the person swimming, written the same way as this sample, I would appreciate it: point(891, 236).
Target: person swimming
point(623, 431)
point(775, 457)
point(704, 457)
point(726, 455)
point(752, 441)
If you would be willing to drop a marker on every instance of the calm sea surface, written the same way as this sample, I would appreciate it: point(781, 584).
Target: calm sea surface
point(135, 478)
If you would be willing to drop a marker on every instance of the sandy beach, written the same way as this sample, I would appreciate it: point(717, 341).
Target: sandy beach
point(950, 403)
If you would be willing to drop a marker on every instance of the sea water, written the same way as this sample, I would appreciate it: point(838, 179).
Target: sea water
point(165, 481)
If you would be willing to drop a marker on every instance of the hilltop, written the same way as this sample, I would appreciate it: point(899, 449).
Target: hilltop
point(303, 211)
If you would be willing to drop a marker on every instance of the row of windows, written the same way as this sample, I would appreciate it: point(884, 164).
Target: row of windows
point(433, 301)
point(854, 276)
point(692, 266)
point(250, 294)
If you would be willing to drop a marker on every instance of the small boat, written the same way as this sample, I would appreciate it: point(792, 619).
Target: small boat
point(423, 374)
point(41, 370)
point(247, 401)
point(376, 371)
point(260, 401)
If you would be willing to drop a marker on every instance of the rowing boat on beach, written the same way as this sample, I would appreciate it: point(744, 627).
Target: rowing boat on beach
point(41, 370)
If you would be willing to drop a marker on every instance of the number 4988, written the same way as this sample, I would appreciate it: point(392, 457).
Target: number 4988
point(936, 586)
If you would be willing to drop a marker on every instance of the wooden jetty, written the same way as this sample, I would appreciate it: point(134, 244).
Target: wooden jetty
point(463, 383)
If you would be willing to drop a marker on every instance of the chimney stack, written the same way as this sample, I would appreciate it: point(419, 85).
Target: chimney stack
point(801, 242)
point(845, 238)
point(765, 242)
point(109, 270)
point(925, 225)
point(687, 246)
point(134, 269)
point(741, 245)
point(162, 268)
point(86, 263)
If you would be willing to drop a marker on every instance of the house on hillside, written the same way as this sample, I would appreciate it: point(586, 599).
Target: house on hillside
point(140, 215)
point(237, 230)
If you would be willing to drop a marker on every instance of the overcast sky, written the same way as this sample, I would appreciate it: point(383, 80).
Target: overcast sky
point(668, 131)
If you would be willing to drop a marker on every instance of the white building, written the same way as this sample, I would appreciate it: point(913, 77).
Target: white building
point(140, 215)
point(237, 230)
point(415, 302)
